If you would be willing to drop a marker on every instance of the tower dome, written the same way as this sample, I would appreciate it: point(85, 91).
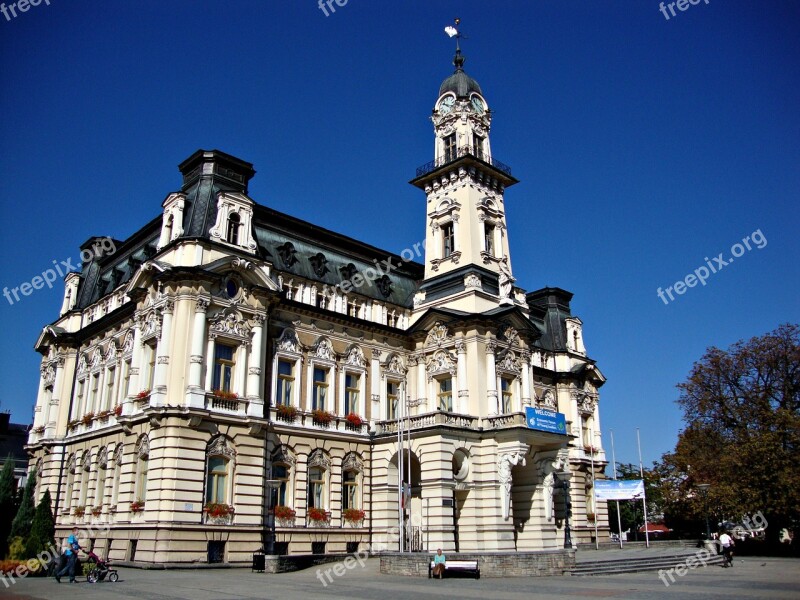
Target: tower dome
point(461, 84)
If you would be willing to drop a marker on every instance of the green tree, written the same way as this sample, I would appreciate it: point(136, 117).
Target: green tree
point(631, 512)
point(43, 528)
point(7, 503)
point(742, 409)
point(21, 526)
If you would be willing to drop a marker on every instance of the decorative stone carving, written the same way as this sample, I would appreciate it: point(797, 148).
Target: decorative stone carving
point(288, 341)
point(87, 461)
point(351, 462)
point(220, 446)
point(504, 463)
point(395, 365)
point(287, 254)
point(319, 263)
point(505, 281)
point(151, 325)
point(102, 458)
point(472, 281)
point(548, 399)
point(229, 322)
point(548, 467)
point(348, 271)
point(509, 363)
point(384, 285)
point(441, 362)
point(355, 357)
point(510, 336)
point(318, 458)
point(437, 336)
point(283, 454)
point(142, 447)
point(324, 349)
point(118, 455)
point(491, 346)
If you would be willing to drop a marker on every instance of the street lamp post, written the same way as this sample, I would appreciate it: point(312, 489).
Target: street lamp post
point(272, 484)
point(563, 479)
point(703, 487)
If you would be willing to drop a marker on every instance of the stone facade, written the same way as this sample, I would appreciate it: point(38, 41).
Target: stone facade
point(226, 360)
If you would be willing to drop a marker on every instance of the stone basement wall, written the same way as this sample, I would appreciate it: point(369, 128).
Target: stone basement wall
point(296, 562)
point(498, 564)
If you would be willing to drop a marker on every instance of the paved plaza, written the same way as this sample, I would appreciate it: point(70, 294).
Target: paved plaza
point(756, 578)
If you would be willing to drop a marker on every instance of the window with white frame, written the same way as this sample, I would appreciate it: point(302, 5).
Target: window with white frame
point(448, 240)
point(352, 382)
point(79, 399)
point(217, 478)
point(86, 474)
point(149, 365)
point(224, 365)
point(506, 395)
point(70, 484)
point(392, 399)
point(285, 383)
point(350, 489)
point(126, 380)
point(488, 238)
point(280, 495)
point(93, 403)
point(142, 467)
point(445, 393)
point(109, 395)
point(319, 393)
point(117, 475)
point(316, 487)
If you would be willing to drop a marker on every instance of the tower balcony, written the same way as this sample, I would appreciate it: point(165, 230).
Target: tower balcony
point(464, 151)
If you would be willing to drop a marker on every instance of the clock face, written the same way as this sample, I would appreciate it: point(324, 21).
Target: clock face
point(446, 105)
point(477, 104)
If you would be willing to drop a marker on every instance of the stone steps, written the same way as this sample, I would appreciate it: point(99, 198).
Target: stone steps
point(637, 565)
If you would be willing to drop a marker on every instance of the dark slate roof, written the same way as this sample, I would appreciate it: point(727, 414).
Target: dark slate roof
point(461, 84)
point(549, 308)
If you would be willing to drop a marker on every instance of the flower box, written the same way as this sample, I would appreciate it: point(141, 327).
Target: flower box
point(321, 417)
point(39, 429)
point(118, 410)
point(317, 515)
point(353, 515)
point(225, 395)
point(137, 506)
point(79, 511)
point(217, 510)
point(87, 418)
point(97, 511)
point(73, 424)
point(354, 419)
point(286, 412)
point(103, 415)
point(143, 395)
point(284, 513)
point(590, 517)
point(591, 449)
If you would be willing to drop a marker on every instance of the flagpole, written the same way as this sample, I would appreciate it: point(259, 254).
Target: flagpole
point(614, 463)
point(398, 419)
point(644, 491)
point(591, 456)
point(408, 495)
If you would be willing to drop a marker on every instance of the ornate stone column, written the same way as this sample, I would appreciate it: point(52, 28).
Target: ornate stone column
point(195, 396)
point(254, 362)
point(462, 401)
point(58, 387)
point(159, 394)
point(525, 359)
point(209, 361)
point(377, 414)
point(422, 385)
point(491, 378)
point(136, 360)
point(505, 461)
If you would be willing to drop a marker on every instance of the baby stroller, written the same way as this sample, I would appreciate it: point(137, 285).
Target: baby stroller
point(100, 570)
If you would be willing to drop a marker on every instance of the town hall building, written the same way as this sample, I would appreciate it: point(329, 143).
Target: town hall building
point(231, 378)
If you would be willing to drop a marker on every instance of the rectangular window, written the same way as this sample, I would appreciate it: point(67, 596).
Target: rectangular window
point(392, 397)
point(126, 380)
point(141, 479)
point(78, 412)
point(281, 473)
point(150, 361)
point(316, 488)
point(110, 377)
point(351, 391)
point(223, 367)
point(450, 148)
point(285, 383)
point(217, 484)
point(488, 238)
point(350, 492)
point(507, 395)
point(446, 394)
point(448, 240)
point(93, 397)
point(320, 393)
point(477, 145)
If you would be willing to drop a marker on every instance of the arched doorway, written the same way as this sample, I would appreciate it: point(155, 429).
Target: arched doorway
point(412, 506)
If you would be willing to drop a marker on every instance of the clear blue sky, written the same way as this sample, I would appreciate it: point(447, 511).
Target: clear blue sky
point(642, 144)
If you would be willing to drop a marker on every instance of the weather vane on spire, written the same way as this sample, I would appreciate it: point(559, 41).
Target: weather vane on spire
point(454, 32)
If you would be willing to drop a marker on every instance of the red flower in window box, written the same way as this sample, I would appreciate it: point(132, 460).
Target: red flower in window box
point(318, 515)
point(284, 513)
point(287, 411)
point(97, 511)
point(103, 415)
point(225, 395)
point(354, 419)
point(137, 506)
point(353, 515)
point(79, 511)
point(88, 418)
point(143, 395)
point(118, 410)
point(218, 510)
point(74, 423)
point(321, 416)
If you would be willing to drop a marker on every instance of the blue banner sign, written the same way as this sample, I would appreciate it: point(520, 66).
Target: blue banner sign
point(546, 420)
point(621, 489)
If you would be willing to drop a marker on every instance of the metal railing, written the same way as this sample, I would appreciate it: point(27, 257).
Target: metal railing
point(455, 154)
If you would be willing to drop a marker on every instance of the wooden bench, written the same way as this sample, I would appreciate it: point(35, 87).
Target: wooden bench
point(466, 566)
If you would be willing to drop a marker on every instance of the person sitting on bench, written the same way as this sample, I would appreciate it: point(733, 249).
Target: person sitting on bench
point(438, 563)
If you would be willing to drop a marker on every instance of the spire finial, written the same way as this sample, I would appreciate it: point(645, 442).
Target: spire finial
point(458, 61)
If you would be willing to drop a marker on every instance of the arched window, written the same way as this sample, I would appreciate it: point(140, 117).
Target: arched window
point(70, 485)
point(445, 394)
point(318, 468)
point(217, 480)
point(142, 465)
point(86, 473)
point(352, 468)
point(233, 228)
point(117, 474)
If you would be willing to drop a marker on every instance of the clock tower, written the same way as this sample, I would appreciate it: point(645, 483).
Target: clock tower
point(467, 258)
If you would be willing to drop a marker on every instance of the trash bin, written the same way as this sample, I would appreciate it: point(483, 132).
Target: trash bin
point(258, 562)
